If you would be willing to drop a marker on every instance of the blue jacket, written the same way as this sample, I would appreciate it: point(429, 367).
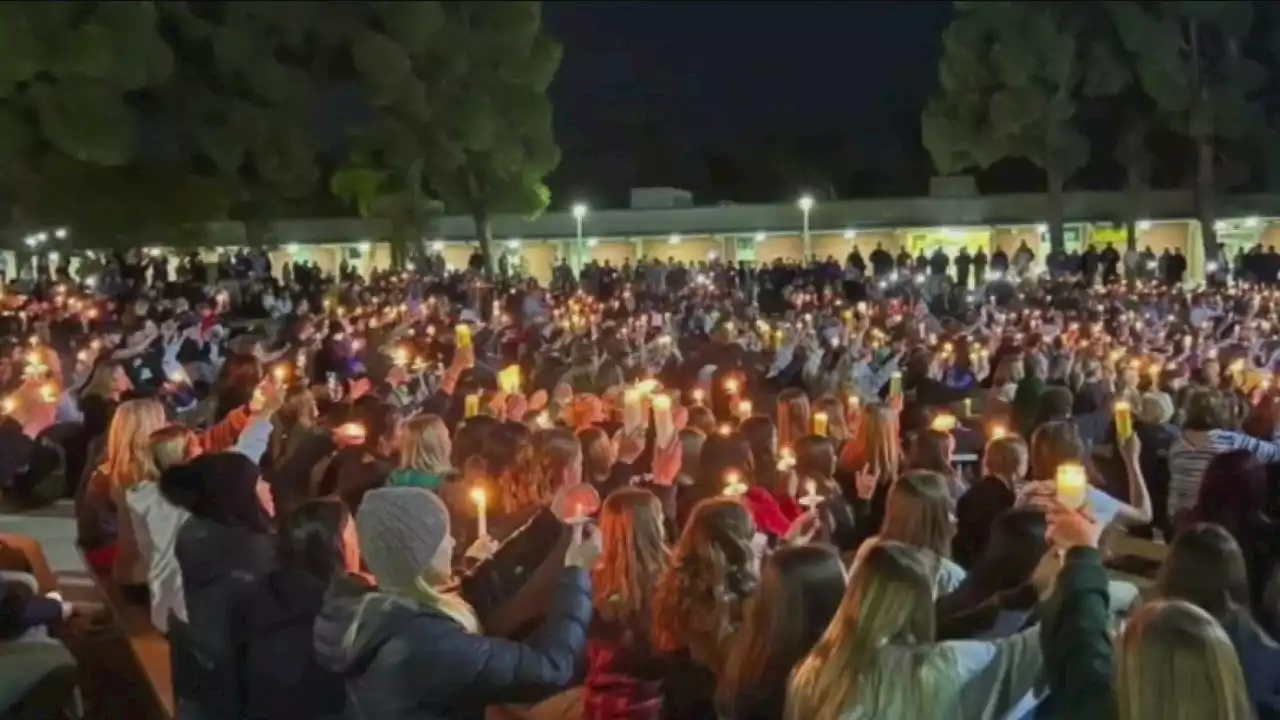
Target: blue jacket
point(404, 661)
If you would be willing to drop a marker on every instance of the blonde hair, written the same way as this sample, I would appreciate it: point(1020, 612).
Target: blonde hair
point(1005, 457)
point(889, 600)
point(170, 445)
point(876, 443)
point(918, 512)
point(127, 454)
point(1175, 662)
point(426, 445)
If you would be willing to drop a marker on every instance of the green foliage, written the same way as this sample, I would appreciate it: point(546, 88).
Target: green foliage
point(461, 88)
point(66, 69)
point(243, 100)
point(394, 197)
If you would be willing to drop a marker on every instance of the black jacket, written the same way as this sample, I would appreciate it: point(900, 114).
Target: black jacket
point(405, 661)
point(281, 677)
point(220, 566)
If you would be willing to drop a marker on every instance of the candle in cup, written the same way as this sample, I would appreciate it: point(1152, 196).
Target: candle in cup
point(462, 335)
point(663, 424)
point(821, 421)
point(943, 422)
point(732, 386)
point(733, 485)
point(997, 432)
point(968, 407)
point(1072, 485)
point(352, 432)
point(471, 406)
point(509, 379)
point(698, 396)
point(280, 373)
point(744, 409)
point(811, 497)
point(632, 409)
point(1124, 420)
point(482, 520)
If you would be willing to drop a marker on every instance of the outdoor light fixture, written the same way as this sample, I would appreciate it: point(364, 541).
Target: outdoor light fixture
point(513, 243)
point(1211, 267)
point(438, 245)
point(805, 203)
point(1251, 222)
point(593, 241)
point(60, 233)
point(579, 211)
point(760, 237)
point(1144, 225)
point(674, 239)
point(365, 246)
point(31, 241)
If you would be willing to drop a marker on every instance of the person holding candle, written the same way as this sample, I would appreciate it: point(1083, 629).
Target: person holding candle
point(411, 646)
point(1057, 443)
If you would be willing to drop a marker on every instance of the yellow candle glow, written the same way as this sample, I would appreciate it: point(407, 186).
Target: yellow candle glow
point(733, 485)
point(744, 409)
point(698, 396)
point(49, 393)
point(732, 386)
point(1072, 485)
point(632, 409)
point(811, 497)
point(462, 335)
point(943, 422)
point(997, 431)
point(1124, 420)
point(400, 357)
point(482, 519)
point(280, 373)
point(352, 432)
point(509, 379)
point(895, 385)
point(663, 424)
point(471, 406)
point(820, 423)
point(8, 405)
point(968, 407)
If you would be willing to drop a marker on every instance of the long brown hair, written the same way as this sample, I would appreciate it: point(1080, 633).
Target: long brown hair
point(918, 513)
point(597, 454)
point(1206, 568)
point(633, 559)
point(712, 571)
point(876, 444)
point(793, 416)
point(800, 589)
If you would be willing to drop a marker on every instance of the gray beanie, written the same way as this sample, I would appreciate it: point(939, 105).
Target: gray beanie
point(400, 529)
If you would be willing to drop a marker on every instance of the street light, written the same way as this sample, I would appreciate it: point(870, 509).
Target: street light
point(579, 214)
point(805, 203)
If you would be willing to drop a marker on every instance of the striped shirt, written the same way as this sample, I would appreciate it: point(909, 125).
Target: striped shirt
point(1188, 460)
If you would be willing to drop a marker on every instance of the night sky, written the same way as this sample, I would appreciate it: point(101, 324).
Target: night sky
point(648, 91)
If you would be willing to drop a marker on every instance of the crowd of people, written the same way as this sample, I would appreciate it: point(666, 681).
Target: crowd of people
point(669, 491)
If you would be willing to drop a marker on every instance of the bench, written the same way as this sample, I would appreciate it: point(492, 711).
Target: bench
point(149, 646)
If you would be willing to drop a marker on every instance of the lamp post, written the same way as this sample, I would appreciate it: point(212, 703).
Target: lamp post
point(579, 253)
point(805, 203)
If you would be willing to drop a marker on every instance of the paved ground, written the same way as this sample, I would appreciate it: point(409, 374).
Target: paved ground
point(112, 685)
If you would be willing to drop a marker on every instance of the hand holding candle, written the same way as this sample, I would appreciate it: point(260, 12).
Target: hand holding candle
point(663, 421)
point(733, 485)
point(1072, 485)
point(471, 406)
point(1124, 420)
point(811, 497)
point(821, 423)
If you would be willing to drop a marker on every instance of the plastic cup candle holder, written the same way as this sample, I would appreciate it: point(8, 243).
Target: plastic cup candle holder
point(733, 485)
point(1124, 420)
point(1072, 485)
point(811, 497)
point(821, 423)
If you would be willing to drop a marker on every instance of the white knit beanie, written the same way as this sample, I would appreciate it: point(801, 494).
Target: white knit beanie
point(400, 530)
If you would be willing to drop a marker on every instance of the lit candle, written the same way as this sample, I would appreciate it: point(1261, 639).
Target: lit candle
point(811, 497)
point(482, 520)
point(733, 485)
point(8, 405)
point(400, 357)
point(1124, 420)
point(820, 423)
point(725, 429)
point(895, 385)
point(744, 409)
point(509, 379)
point(352, 432)
point(968, 407)
point(732, 386)
point(698, 396)
point(471, 406)
point(1072, 485)
point(462, 334)
point(997, 431)
point(943, 422)
point(632, 409)
point(280, 373)
point(777, 339)
point(663, 424)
